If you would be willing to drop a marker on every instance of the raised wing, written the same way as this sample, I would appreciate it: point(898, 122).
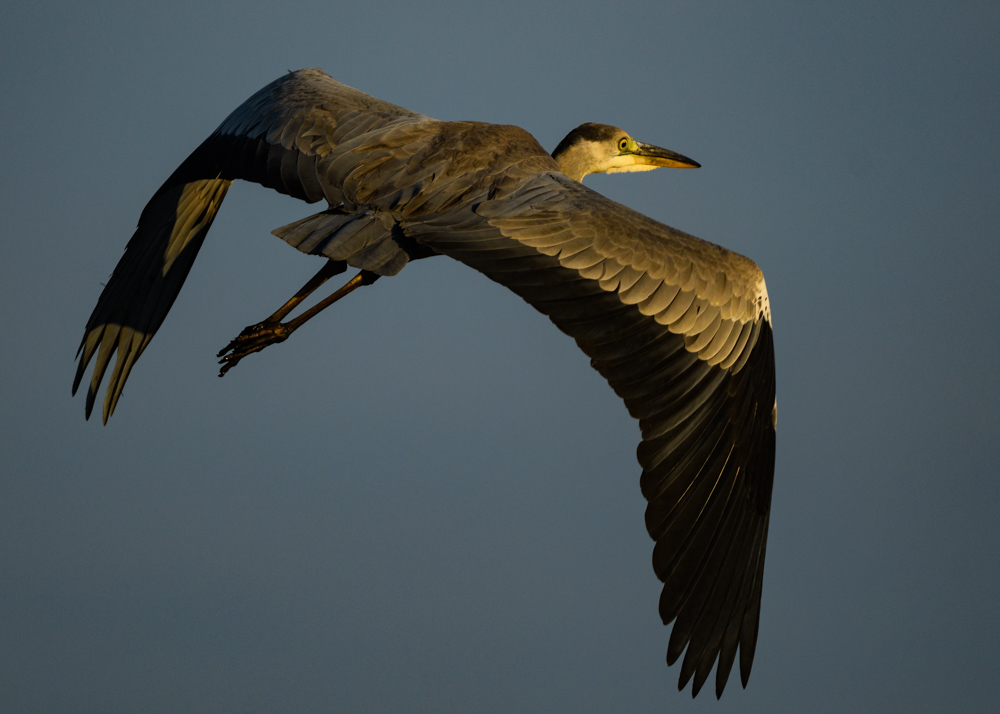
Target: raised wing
point(288, 136)
point(680, 328)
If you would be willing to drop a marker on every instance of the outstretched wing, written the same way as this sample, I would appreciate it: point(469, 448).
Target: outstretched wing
point(289, 137)
point(680, 328)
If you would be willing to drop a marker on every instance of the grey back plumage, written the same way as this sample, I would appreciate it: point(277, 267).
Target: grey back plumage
point(679, 327)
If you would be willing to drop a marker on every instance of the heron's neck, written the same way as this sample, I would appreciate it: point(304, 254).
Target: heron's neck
point(578, 160)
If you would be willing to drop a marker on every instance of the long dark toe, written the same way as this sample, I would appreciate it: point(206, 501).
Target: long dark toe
point(253, 339)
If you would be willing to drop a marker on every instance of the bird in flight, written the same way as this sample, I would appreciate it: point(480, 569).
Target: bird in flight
point(679, 327)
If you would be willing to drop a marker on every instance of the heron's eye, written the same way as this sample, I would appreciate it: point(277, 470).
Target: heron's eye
point(623, 144)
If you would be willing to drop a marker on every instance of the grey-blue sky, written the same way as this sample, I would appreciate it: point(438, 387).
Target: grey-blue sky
point(427, 500)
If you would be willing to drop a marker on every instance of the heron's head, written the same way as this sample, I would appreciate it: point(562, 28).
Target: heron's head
point(600, 148)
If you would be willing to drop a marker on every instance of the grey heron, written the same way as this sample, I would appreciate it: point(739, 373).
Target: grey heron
point(679, 327)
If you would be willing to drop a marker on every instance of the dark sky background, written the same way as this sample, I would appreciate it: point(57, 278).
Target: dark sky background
point(426, 500)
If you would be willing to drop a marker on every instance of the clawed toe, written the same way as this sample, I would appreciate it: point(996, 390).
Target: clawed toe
point(252, 339)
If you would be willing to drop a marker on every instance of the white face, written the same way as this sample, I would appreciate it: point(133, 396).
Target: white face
point(622, 161)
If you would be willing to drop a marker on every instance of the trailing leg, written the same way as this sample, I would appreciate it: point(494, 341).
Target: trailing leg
point(271, 330)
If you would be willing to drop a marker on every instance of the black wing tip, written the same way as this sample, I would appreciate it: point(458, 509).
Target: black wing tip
point(89, 407)
point(698, 682)
point(696, 685)
point(81, 366)
point(91, 392)
point(745, 672)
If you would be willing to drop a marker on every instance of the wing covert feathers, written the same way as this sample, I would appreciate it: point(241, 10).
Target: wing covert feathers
point(679, 327)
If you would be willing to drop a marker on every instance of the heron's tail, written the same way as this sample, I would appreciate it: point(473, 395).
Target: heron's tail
point(146, 282)
point(363, 240)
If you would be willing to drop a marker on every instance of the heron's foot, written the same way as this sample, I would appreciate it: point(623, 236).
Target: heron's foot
point(253, 339)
